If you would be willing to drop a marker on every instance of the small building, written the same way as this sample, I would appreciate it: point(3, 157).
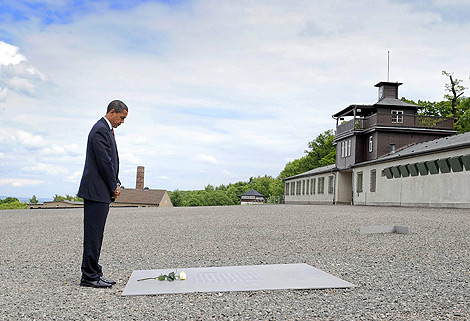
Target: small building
point(133, 197)
point(57, 204)
point(252, 197)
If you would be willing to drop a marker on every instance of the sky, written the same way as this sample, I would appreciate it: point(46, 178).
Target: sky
point(218, 91)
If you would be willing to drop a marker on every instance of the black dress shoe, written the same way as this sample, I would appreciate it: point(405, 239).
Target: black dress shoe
point(112, 282)
point(95, 283)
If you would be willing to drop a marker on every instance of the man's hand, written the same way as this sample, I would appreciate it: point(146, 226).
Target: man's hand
point(117, 192)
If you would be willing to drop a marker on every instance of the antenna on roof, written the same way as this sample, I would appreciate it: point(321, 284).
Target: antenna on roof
point(388, 66)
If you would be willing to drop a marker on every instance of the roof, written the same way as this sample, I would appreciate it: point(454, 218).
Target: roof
point(318, 170)
point(432, 146)
point(141, 196)
point(367, 109)
point(66, 202)
point(252, 192)
point(389, 101)
point(349, 111)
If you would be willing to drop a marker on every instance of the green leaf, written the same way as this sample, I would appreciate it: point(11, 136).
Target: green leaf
point(162, 277)
point(171, 277)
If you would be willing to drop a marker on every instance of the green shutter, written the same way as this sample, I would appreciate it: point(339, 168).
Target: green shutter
point(444, 165)
point(456, 163)
point(433, 167)
point(466, 161)
point(404, 170)
point(422, 169)
point(388, 172)
point(412, 169)
point(395, 172)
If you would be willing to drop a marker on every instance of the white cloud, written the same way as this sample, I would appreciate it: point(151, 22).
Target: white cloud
point(20, 182)
point(129, 158)
point(42, 168)
point(163, 177)
point(207, 158)
point(29, 140)
point(16, 72)
point(75, 177)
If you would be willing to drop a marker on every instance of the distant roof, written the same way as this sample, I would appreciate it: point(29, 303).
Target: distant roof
point(432, 146)
point(252, 192)
point(141, 196)
point(318, 170)
point(65, 201)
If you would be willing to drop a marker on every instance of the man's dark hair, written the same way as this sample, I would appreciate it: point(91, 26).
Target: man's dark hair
point(117, 105)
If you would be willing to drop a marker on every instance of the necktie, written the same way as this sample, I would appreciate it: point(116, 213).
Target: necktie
point(113, 132)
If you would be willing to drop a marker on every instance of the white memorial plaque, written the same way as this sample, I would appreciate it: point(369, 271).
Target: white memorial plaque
point(234, 278)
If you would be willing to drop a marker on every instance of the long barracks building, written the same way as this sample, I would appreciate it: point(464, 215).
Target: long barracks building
point(387, 154)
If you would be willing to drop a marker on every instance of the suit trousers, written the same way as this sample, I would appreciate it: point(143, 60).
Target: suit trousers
point(94, 220)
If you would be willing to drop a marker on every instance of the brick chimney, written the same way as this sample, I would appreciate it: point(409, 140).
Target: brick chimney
point(139, 181)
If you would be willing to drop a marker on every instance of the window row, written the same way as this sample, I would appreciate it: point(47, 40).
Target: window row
point(310, 186)
point(442, 165)
point(346, 148)
point(372, 181)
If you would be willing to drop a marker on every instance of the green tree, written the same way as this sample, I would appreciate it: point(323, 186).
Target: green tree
point(58, 198)
point(455, 90)
point(10, 203)
point(33, 200)
point(320, 152)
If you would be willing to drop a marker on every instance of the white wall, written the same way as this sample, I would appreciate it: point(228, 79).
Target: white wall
point(304, 198)
point(439, 190)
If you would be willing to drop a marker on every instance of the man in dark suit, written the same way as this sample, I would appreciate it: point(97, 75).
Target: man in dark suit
point(99, 187)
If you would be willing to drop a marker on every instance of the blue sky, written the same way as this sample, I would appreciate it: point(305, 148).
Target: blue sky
point(218, 91)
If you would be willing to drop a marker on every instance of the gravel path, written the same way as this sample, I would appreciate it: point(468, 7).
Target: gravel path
point(424, 275)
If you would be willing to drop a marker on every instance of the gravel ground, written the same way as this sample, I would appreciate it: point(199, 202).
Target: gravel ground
point(424, 275)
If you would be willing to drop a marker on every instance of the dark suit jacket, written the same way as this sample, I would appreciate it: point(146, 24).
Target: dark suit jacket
point(100, 176)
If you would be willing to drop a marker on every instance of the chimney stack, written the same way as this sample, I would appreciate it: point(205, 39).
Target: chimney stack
point(139, 181)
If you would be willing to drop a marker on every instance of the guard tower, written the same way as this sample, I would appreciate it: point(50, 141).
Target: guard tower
point(367, 132)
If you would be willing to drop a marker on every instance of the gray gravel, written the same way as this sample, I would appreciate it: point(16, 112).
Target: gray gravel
point(424, 275)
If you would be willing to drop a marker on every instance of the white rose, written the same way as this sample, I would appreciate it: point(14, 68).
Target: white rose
point(182, 276)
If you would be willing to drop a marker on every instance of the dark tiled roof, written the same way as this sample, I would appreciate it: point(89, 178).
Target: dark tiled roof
point(388, 101)
point(141, 196)
point(252, 192)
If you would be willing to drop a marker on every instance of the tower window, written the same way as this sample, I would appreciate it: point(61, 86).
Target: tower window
point(397, 116)
point(371, 144)
point(392, 148)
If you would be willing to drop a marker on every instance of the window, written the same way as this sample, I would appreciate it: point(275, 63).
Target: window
point(286, 189)
point(292, 188)
point(303, 187)
point(371, 144)
point(313, 185)
point(359, 182)
point(349, 148)
point(342, 149)
point(397, 116)
point(298, 187)
point(321, 185)
point(308, 187)
point(392, 148)
point(373, 180)
point(330, 184)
